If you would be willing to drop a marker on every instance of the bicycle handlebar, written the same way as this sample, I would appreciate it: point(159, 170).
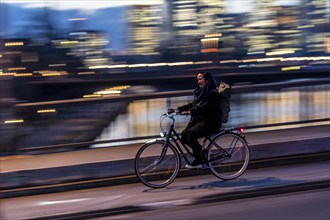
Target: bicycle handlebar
point(170, 112)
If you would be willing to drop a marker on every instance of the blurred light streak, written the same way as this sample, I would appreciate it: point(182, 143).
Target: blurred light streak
point(16, 68)
point(63, 201)
point(92, 96)
point(213, 35)
point(47, 73)
point(108, 92)
point(118, 66)
point(264, 23)
point(46, 111)
point(209, 50)
point(137, 65)
point(250, 60)
point(269, 59)
point(86, 73)
point(181, 63)
point(69, 42)
point(229, 61)
point(56, 65)
point(157, 64)
point(280, 52)
point(77, 19)
point(203, 62)
point(98, 67)
point(14, 44)
point(22, 74)
point(290, 68)
point(14, 121)
point(255, 52)
point(211, 39)
point(116, 90)
point(6, 74)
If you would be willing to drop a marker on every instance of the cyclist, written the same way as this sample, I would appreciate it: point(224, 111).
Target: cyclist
point(205, 116)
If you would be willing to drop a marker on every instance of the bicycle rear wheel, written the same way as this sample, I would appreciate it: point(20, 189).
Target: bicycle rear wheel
point(228, 155)
point(155, 165)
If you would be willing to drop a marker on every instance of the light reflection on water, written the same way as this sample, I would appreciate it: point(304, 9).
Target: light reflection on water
point(253, 108)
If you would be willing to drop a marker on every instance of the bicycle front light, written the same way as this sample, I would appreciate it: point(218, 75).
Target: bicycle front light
point(162, 134)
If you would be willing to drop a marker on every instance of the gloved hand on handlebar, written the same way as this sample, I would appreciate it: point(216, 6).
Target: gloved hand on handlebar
point(185, 113)
point(172, 110)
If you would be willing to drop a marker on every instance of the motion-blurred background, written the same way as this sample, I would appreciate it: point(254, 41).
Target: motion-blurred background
point(86, 71)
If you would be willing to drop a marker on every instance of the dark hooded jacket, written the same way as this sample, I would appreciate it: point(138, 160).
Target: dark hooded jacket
point(205, 108)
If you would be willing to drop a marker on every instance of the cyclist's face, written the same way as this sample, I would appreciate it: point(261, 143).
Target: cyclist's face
point(201, 80)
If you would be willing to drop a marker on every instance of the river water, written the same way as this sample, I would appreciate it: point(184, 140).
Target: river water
point(142, 117)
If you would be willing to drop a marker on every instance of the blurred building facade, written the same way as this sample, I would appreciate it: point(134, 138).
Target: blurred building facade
point(203, 26)
point(144, 34)
point(190, 28)
point(315, 18)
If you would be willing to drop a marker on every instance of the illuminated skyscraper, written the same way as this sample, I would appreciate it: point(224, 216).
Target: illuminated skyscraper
point(183, 21)
point(283, 29)
point(144, 33)
point(209, 16)
point(316, 24)
point(188, 27)
point(191, 20)
point(210, 25)
point(288, 38)
point(260, 26)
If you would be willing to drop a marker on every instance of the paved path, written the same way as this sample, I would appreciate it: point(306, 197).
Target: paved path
point(23, 171)
point(197, 190)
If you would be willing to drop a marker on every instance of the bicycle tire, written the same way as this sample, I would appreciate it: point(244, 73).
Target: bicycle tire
point(236, 161)
point(148, 169)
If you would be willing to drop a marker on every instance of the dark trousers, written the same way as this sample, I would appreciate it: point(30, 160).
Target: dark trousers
point(192, 133)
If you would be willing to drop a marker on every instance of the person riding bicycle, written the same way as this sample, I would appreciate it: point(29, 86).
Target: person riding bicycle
point(205, 116)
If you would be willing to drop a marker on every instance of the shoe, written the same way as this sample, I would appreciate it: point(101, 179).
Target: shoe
point(195, 164)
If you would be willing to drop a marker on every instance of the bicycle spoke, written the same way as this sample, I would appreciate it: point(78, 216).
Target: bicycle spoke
point(157, 171)
point(228, 155)
point(150, 168)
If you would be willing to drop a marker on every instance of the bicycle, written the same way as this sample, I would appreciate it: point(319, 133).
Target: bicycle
point(158, 161)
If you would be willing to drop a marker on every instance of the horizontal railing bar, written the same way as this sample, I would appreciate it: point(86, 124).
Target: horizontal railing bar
point(235, 89)
point(80, 144)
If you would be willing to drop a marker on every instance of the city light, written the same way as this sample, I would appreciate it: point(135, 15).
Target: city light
point(290, 68)
point(13, 121)
point(14, 44)
point(41, 111)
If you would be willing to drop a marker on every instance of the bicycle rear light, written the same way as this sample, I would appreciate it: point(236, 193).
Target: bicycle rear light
point(241, 130)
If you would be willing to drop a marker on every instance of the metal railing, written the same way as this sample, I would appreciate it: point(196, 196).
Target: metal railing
point(140, 139)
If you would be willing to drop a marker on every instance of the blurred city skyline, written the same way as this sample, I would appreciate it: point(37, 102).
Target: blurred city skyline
point(191, 32)
point(108, 16)
point(232, 6)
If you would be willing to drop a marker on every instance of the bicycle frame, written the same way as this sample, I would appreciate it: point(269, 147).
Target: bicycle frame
point(181, 147)
point(178, 144)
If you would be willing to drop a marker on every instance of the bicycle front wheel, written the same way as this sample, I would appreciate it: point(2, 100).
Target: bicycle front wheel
point(157, 165)
point(228, 155)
